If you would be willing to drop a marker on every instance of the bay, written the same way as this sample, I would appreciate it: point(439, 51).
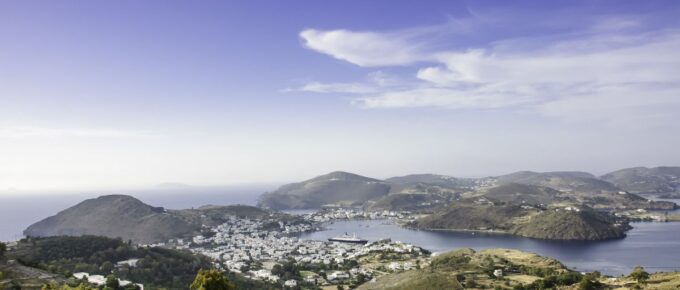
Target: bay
point(655, 246)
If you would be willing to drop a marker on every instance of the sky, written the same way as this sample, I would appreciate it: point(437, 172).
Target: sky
point(132, 94)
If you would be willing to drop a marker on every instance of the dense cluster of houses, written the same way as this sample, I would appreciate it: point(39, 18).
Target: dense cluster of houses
point(251, 247)
point(330, 214)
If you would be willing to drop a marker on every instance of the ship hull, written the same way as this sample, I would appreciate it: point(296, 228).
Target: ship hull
point(363, 242)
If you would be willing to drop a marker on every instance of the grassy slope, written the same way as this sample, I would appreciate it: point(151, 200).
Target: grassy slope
point(471, 265)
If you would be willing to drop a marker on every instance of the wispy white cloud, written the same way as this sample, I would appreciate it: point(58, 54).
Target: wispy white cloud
point(351, 88)
point(47, 132)
point(604, 72)
point(368, 49)
point(375, 82)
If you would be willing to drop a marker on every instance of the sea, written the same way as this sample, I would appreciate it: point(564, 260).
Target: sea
point(653, 245)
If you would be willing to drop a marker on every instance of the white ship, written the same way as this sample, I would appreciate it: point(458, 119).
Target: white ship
point(348, 239)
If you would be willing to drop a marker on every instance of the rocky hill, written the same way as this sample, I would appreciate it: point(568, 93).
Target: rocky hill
point(646, 180)
point(122, 216)
point(114, 216)
point(582, 225)
point(332, 188)
point(552, 224)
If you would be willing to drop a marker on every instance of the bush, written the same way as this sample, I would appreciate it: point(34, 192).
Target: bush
point(211, 280)
point(639, 274)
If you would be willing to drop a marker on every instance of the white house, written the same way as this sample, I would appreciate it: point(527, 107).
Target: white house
point(130, 262)
point(338, 275)
point(498, 273)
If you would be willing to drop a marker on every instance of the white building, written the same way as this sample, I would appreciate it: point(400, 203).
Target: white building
point(498, 273)
point(130, 262)
point(338, 275)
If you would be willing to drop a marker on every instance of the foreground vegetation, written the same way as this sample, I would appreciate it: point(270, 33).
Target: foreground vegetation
point(156, 267)
point(47, 264)
point(512, 269)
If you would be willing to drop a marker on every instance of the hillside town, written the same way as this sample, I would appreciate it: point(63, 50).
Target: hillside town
point(339, 213)
point(250, 247)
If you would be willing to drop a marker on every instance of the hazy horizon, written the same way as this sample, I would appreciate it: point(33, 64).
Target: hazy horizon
point(129, 94)
point(265, 186)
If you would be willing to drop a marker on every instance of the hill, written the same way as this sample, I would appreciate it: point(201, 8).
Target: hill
point(582, 225)
point(122, 216)
point(567, 181)
point(407, 201)
point(573, 187)
point(433, 179)
point(332, 188)
point(114, 216)
point(646, 180)
point(579, 188)
point(518, 194)
point(467, 268)
point(553, 224)
point(472, 217)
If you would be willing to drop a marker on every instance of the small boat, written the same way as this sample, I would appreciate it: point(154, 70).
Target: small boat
point(348, 239)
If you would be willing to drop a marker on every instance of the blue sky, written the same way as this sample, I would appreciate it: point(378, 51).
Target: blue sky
point(116, 94)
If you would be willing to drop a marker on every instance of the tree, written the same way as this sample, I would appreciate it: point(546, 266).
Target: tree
point(211, 280)
point(112, 282)
point(3, 249)
point(14, 285)
point(588, 284)
point(107, 267)
point(361, 278)
point(277, 270)
point(639, 274)
point(470, 283)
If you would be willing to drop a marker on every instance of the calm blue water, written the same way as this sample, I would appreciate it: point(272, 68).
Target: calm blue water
point(19, 211)
point(655, 246)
